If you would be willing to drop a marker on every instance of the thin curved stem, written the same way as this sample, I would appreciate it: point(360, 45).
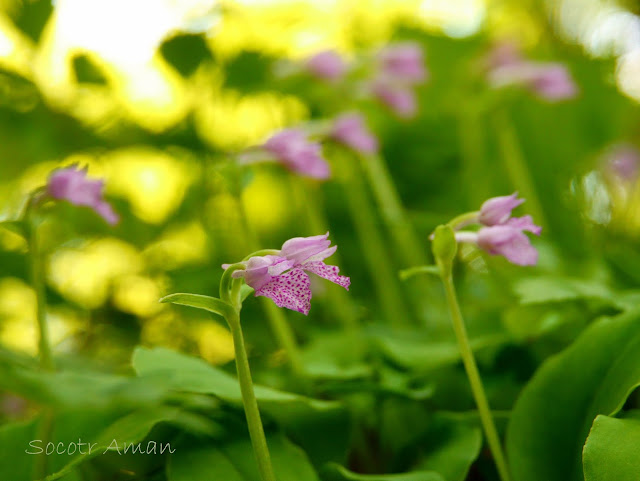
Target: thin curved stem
point(256, 430)
point(473, 375)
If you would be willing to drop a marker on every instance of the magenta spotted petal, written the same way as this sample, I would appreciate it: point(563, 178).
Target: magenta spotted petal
point(330, 273)
point(291, 290)
point(283, 277)
point(71, 184)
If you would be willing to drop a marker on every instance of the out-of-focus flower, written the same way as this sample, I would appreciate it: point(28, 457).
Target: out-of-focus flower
point(498, 209)
point(328, 65)
point(292, 148)
point(623, 162)
point(549, 80)
point(351, 130)
point(71, 184)
point(501, 234)
point(398, 98)
point(509, 242)
point(403, 62)
point(283, 277)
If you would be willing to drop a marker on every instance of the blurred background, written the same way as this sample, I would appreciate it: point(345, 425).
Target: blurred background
point(152, 95)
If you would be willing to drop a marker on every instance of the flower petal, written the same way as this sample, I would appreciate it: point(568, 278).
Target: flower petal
point(291, 290)
point(330, 273)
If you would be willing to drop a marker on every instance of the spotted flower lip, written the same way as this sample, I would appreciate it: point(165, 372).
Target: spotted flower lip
point(284, 277)
point(350, 129)
point(71, 184)
point(295, 151)
point(328, 65)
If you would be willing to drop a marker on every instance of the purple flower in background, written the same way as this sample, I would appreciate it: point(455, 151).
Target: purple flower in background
point(498, 209)
point(504, 53)
point(71, 184)
point(284, 277)
point(292, 148)
point(552, 81)
point(351, 130)
point(326, 65)
point(624, 162)
point(403, 62)
point(398, 98)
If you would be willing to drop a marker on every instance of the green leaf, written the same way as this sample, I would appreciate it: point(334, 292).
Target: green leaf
point(424, 354)
point(444, 247)
point(15, 226)
point(552, 417)
point(546, 289)
point(612, 450)
point(336, 472)
point(185, 373)
point(208, 303)
point(414, 271)
point(235, 461)
point(455, 444)
point(67, 389)
point(127, 430)
point(15, 464)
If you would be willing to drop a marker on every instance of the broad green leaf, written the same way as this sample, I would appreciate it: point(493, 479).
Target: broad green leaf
point(612, 450)
point(83, 389)
point(425, 355)
point(453, 443)
point(122, 434)
point(551, 419)
point(15, 463)
point(235, 461)
point(208, 303)
point(185, 373)
point(335, 472)
point(546, 289)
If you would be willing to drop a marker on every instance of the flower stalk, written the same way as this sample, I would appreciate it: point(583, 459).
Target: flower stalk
point(252, 413)
point(444, 250)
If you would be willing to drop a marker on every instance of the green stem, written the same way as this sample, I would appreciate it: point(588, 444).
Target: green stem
point(256, 431)
point(392, 211)
point(474, 377)
point(37, 280)
point(44, 343)
point(373, 246)
point(516, 166)
point(277, 321)
point(472, 148)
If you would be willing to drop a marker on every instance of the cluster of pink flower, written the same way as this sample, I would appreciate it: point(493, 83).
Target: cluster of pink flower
point(283, 277)
point(396, 69)
point(298, 153)
point(549, 80)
